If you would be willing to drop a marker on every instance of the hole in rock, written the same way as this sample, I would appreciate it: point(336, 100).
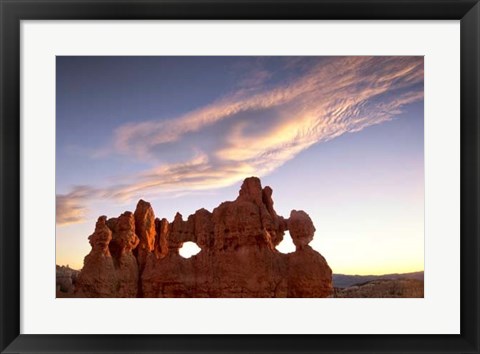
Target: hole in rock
point(189, 249)
point(286, 246)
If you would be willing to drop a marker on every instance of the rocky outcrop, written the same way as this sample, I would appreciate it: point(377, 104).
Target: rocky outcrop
point(110, 269)
point(138, 255)
point(97, 278)
point(145, 229)
point(66, 279)
point(301, 228)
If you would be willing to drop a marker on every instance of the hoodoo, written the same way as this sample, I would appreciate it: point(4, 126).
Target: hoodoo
point(138, 254)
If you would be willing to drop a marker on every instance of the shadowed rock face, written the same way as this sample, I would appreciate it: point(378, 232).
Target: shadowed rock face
point(138, 255)
point(145, 229)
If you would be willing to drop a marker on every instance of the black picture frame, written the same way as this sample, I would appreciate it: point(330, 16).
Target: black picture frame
point(13, 11)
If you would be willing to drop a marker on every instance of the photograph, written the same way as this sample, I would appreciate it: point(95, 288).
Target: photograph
point(239, 177)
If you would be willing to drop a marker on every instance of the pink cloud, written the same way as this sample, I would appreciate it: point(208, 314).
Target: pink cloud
point(343, 95)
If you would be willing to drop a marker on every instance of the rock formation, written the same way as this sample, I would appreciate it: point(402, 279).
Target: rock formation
point(138, 254)
point(66, 279)
point(145, 229)
point(110, 269)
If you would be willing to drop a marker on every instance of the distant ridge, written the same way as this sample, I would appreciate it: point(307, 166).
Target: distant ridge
point(344, 280)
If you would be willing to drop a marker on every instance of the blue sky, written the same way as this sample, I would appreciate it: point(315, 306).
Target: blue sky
point(339, 137)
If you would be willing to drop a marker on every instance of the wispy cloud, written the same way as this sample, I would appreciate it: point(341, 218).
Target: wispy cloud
point(70, 208)
point(338, 96)
point(327, 88)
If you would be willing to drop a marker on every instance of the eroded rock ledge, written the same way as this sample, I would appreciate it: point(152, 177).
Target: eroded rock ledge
point(137, 255)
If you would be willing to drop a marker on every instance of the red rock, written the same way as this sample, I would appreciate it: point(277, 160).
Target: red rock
point(124, 238)
point(301, 228)
point(98, 278)
point(237, 258)
point(145, 229)
point(111, 270)
point(251, 191)
point(101, 237)
point(308, 274)
point(203, 226)
point(161, 238)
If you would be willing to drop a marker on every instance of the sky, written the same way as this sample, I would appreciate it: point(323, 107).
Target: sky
point(341, 138)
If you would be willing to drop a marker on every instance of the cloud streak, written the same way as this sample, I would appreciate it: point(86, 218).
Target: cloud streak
point(340, 84)
point(338, 96)
point(70, 207)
